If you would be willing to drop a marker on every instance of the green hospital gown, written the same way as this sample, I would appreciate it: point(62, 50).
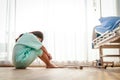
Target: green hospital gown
point(26, 49)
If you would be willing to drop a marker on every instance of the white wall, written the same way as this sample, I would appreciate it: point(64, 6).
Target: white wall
point(3, 20)
point(108, 8)
point(118, 7)
point(7, 23)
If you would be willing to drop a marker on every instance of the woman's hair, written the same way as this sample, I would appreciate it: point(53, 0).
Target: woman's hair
point(36, 33)
point(18, 37)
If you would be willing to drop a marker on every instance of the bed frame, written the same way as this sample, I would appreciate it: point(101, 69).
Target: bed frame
point(107, 40)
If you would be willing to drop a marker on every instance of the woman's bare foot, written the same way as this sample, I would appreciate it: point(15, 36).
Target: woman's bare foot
point(51, 65)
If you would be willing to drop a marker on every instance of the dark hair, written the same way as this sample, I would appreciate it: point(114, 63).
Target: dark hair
point(36, 33)
point(18, 37)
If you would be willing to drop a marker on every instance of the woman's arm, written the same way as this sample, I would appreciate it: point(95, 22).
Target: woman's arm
point(46, 52)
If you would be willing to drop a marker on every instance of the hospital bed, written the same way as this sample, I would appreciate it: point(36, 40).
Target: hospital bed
point(109, 39)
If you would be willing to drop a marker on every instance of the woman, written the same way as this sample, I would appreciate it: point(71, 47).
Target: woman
point(27, 48)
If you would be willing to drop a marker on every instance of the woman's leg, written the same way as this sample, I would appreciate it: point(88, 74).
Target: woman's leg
point(24, 60)
point(44, 57)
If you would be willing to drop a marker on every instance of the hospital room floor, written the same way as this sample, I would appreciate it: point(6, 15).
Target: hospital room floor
point(35, 73)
